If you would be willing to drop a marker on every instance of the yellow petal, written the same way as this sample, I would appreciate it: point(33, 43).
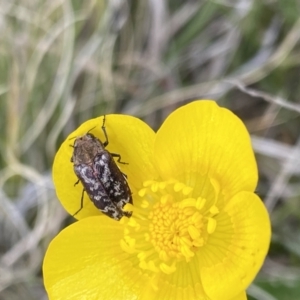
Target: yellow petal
point(235, 252)
point(128, 136)
point(202, 138)
point(241, 296)
point(85, 261)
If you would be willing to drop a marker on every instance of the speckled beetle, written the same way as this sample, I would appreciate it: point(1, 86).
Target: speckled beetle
point(100, 176)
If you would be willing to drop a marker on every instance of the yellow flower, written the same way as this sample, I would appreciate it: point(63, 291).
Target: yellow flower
point(198, 230)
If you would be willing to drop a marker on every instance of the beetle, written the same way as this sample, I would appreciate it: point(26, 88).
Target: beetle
point(100, 176)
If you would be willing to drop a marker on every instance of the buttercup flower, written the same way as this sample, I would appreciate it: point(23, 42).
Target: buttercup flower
point(198, 230)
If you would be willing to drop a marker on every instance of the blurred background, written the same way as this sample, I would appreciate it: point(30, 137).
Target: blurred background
point(63, 62)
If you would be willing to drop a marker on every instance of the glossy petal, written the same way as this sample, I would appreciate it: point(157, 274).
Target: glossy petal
point(235, 252)
point(85, 261)
point(241, 296)
point(128, 136)
point(203, 138)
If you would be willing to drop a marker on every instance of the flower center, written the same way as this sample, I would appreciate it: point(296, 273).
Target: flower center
point(175, 228)
point(169, 224)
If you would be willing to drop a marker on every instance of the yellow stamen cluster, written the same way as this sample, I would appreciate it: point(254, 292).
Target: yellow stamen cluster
point(169, 224)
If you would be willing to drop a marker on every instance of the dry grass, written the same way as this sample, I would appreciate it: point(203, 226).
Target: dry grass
point(63, 62)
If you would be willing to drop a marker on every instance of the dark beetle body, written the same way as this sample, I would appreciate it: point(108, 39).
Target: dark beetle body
point(100, 176)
